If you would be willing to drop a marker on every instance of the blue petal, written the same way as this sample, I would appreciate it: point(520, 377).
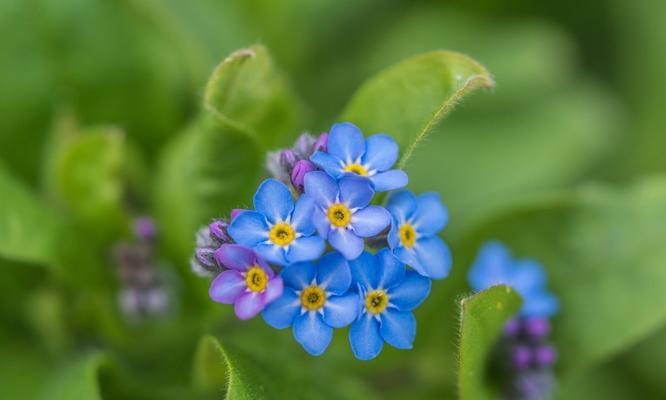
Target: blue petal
point(274, 200)
point(355, 191)
point(434, 256)
point(393, 238)
point(401, 205)
point(346, 142)
point(321, 222)
point(299, 275)
point(321, 187)
point(542, 304)
point(249, 228)
point(398, 328)
point(391, 271)
point(312, 333)
point(527, 275)
point(272, 253)
point(364, 337)
point(301, 219)
point(364, 271)
point(340, 311)
point(381, 152)
point(411, 292)
point(346, 242)
point(370, 221)
point(306, 248)
point(333, 273)
point(280, 313)
point(331, 164)
point(431, 216)
point(408, 256)
point(491, 267)
point(389, 180)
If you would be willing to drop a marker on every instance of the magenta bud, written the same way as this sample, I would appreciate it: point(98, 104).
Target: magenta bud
point(235, 212)
point(288, 159)
point(205, 257)
point(512, 327)
point(301, 168)
point(521, 356)
point(144, 228)
point(537, 328)
point(218, 230)
point(322, 143)
point(545, 355)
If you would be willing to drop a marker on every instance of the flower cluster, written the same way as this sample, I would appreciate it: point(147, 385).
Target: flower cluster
point(524, 356)
point(299, 256)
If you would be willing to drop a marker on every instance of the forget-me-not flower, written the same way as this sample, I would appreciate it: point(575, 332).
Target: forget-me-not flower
point(342, 213)
point(349, 152)
point(413, 236)
point(494, 265)
point(315, 300)
point(249, 283)
point(388, 294)
point(279, 230)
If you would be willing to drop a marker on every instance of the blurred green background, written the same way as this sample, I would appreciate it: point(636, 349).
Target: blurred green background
point(101, 120)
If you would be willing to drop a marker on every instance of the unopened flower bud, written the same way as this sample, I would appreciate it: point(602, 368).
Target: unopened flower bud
point(322, 143)
point(545, 355)
point(288, 159)
point(536, 328)
point(301, 168)
point(144, 228)
point(218, 231)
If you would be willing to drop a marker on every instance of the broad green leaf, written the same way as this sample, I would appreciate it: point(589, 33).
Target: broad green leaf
point(246, 92)
point(22, 369)
point(27, 226)
point(214, 165)
point(86, 173)
point(408, 99)
point(482, 319)
point(76, 379)
point(604, 254)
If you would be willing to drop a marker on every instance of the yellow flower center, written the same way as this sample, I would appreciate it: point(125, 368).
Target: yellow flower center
point(376, 301)
point(313, 298)
point(407, 235)
point(282, 234)
point(339, 215)
point(358, 169)
point(256, 279)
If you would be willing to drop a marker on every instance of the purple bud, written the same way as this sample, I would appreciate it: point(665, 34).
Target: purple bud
point(218, 230)
point(298, 173)
point(288, 159)
point(545, 355)
point(537, 328)
point(205, 257)
point(322, 143)
point(235, 212)
point(521, 356)
point(512, 327)
point(144, 228)
point(303, 146)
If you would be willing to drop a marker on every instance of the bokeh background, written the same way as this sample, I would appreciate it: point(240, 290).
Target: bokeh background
point(563, 159)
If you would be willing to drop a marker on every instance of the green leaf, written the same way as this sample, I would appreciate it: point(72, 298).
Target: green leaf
point(246, 92)
point(86, 174)
point(408, 99)
point(27, 226)
point(76, 379)
point(603, 249)
point(483, 316)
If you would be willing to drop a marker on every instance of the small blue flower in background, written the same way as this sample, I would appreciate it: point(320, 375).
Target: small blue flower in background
point(315, 300)
point(342, 213)
point(349, 152)
point(413, 236)
point(279, 230)
point(495, 266)
point(388, 294)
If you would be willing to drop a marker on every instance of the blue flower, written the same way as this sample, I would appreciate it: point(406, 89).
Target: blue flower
point(342, 213)
point(388, 294)
point(413, 236)
point(315, 300)
point(348, 152)
point(495, 266)
point(279, 231)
